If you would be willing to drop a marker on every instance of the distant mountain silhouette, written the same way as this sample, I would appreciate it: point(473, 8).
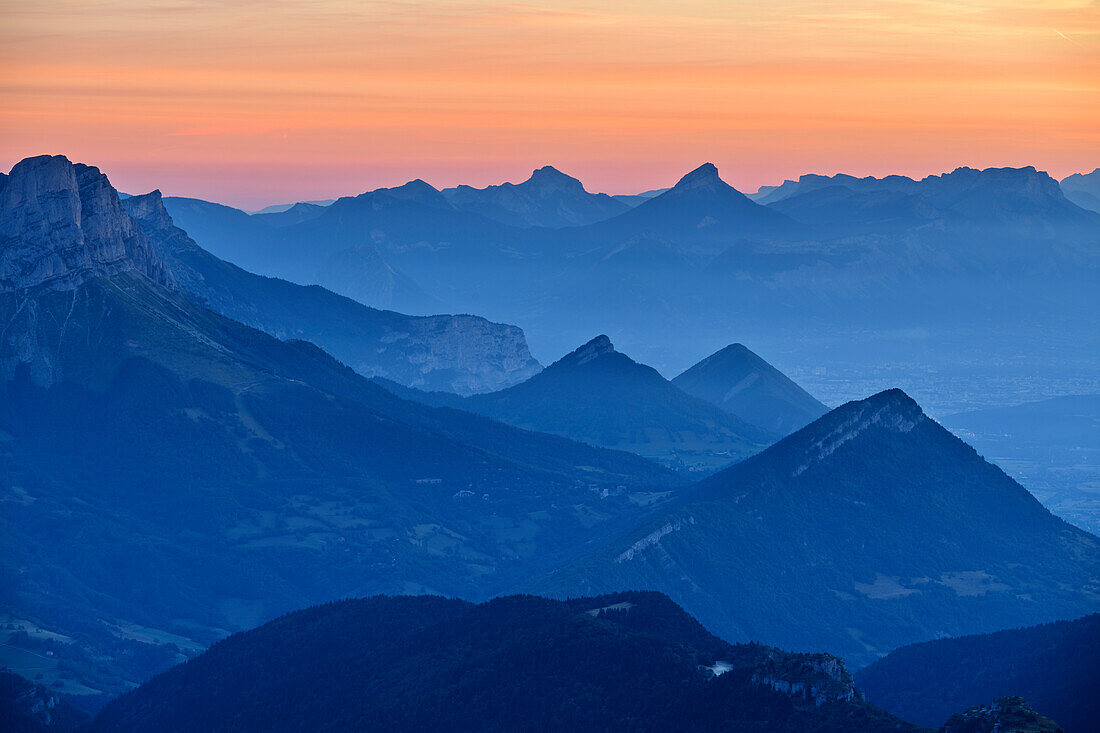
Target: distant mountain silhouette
point(998, 247)
point(280, 208)
point(296, 214)
point(600, 396)
point(870, 528)
point(768, 194)
point(741, 383)
point(1005, 196)
point(630, 661)
point(1055, 666)
point(549, 198)
point(357, 270)
point(701, 213)
point(1083, 189)
point(633, 199)
point(409, 232)
point(462, 354)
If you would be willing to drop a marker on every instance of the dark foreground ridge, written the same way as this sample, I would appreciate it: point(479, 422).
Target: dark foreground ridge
point(1055, 666)
point(629, 661)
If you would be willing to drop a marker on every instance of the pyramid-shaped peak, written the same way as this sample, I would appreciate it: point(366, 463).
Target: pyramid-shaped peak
point(736, 349)
point(736, 353)
point(703, 176)
point(591, 350)
point(742, 383)
point(415, 187)
point(893, 397)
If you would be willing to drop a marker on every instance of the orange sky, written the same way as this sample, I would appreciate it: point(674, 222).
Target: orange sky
point(252, 102)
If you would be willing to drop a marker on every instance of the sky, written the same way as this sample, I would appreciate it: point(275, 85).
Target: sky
point(258, 102)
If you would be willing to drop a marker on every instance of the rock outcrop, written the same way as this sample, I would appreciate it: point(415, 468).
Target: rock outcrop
point(811, 679)
point(1003, 715)
point(62, 223)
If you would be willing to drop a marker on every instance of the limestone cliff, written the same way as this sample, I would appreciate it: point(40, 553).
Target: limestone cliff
point(62, 223)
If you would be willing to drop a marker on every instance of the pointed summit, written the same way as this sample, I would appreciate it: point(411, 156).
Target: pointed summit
point(549, 177)
point(741, 383)
point(417, 190)
point(591, 350)
point(601, 396)
point(704, 175)
point(702, 213)
point(888, 412)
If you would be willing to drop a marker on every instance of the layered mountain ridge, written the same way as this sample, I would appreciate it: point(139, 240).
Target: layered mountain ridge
point(169, 469)
point(456, 353)
point(601, 396)
point(1083, 189)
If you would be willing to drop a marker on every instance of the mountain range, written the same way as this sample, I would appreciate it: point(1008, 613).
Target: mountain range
point(868, 529)
point(280, 208)
point(357, 270)
point(180, 459)
point(996, 197)
point(172, 474)
point(461, 354)
point(842, 265)
point(600, 396)
point(1083, 189)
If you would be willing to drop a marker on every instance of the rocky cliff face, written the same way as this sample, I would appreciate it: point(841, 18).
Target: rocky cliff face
point(810, 679)
point(62, 223)
point(469, 353)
